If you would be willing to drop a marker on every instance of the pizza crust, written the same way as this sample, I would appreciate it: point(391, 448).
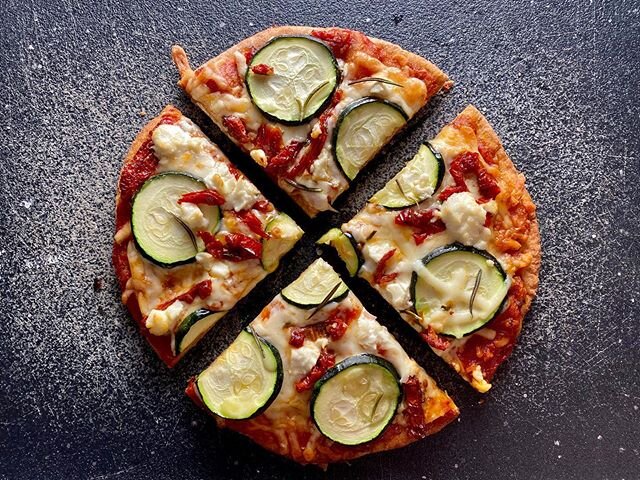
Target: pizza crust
point(390, 50)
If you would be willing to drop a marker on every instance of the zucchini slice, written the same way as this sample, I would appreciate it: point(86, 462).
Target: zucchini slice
point(193, 327)
point(356, 400)
point(283, 234)
point(243, 381)
point(364, 127)
point(346, 246)
point(314, 285)
point(303, 75)
point(458, 289)
point(159, 233)
point(416, 182)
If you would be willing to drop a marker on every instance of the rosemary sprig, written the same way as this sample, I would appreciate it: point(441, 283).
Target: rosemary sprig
point(303, 106)
point(474, 292)
point(326, 299)
point(186, 228)
point(371, 235)
point(376, 79)
point(255, 339)
point(375, 406)
point(300, 186)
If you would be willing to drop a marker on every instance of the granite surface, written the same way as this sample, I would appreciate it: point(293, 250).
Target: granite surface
point(81, 393)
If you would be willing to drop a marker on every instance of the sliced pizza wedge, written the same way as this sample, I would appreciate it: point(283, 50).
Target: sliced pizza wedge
point(317, 379)
point(193, 234)
point(452, 243)
point(312, 106)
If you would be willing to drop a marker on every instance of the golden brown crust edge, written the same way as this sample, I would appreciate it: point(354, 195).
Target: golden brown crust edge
point(260, 38)
point(532, 246)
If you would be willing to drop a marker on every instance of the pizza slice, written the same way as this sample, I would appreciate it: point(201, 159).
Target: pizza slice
point(312, 106)
point(193, 234)
point(317, 379)
point(452, 243)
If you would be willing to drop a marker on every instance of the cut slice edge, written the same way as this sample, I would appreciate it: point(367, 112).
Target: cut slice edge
point(314, 286)
point(193, 327)
point(355, 144)
point(418, 180)
point(244, 380)
point(346, 247)
point(283, 233)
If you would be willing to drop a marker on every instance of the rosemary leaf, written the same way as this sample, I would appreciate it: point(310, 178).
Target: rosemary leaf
point(376, 79)
point(186, 228)
point(474, 292)
point(300, 186)
point(255, 339)
point(326, 299)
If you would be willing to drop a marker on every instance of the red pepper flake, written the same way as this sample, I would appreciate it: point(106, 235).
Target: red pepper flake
point(296, 340)
point(253, 222)
point(234, 246)
point(202, 197)
point(464, 164)
point(438, 342)
point(325, 361)
point(379, 277)
point(338, 322)
point(262, 69)
point(414, 412)
point(236, 128)
point(421, 220)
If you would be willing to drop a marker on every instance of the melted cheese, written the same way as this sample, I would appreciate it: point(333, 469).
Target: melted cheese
point(324, 173)
point(183, 147)
point(464, 219)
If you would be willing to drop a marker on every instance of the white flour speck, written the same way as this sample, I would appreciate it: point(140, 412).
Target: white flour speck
point(556, 443)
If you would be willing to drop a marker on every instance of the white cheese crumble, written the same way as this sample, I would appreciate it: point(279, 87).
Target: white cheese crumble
point(304, 358)
point(161, 322)
point(171, 141)
point(191, 214)
point(464, 219)
point(238, 193)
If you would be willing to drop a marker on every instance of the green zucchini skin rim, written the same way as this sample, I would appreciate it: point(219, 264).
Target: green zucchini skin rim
point(324, 104)
point(348, 109)
point(337, 299)
point(180, 333)
point(276, 388)
point(360, 359)
point(135, 240)
point(457, 247)
point(356, 249)
point(441, 170)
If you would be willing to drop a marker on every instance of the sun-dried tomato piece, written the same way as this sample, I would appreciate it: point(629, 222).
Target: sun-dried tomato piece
point(236, 128)
point(423, 221)
point(232, 246)
point(262, 69)
point(253, 222)
point(379, 276)
point(433, 339)
point(202, 197)
point(325, 361)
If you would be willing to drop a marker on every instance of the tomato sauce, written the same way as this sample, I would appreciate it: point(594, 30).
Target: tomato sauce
point(489, 354)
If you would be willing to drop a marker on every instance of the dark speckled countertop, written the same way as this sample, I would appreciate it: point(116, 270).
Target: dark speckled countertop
point(81, 393)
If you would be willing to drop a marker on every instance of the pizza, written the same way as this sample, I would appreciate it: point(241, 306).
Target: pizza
point(316, 378)
point(311, 106)
point(452, 243)
point(193, 234)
